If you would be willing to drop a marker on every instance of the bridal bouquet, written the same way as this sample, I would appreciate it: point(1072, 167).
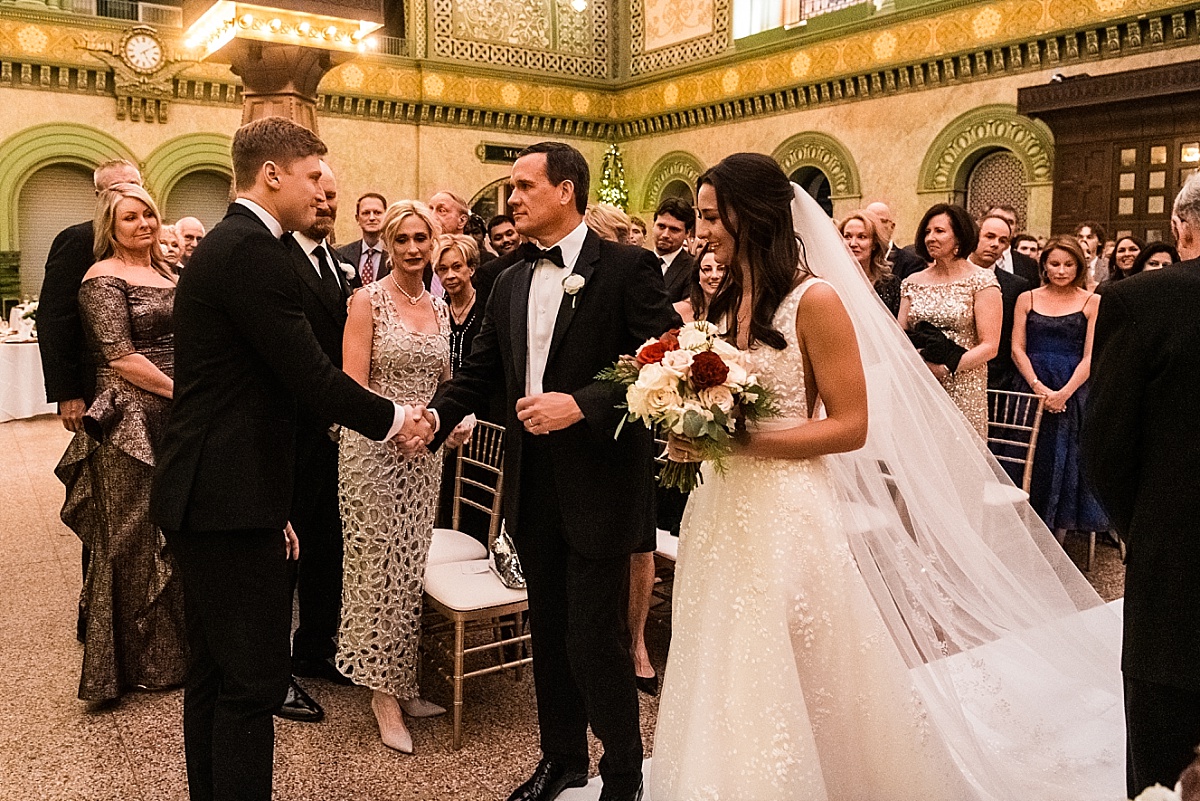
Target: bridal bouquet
point(691, 383)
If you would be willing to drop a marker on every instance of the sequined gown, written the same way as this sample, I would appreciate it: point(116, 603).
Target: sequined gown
point(132, 598)
point(782, 682)
point(951, 307)
point(388, 503)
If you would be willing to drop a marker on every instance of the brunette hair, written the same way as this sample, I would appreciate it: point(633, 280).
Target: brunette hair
point(1153, 249)
point(276, 139)
point(1114, 272)
point(696, 297)
point(965, 232)
point(679, 208)
point(105, 243)
point(375, 195)
point(1070, 245)
point(564, 163)
point(753, 189)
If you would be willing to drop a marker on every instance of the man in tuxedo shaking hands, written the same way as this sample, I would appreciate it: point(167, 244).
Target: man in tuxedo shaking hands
point(1139, 447)
point(245, 359)
point(580, 500)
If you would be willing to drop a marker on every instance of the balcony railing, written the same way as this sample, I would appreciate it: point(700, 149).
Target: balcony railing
point(156, 14)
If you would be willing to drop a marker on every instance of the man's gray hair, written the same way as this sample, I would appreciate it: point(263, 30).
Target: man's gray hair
point(1187, 202)
point(108, 166)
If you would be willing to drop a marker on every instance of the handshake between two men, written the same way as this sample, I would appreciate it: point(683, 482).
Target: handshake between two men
point(419, 426)
point(539, 414)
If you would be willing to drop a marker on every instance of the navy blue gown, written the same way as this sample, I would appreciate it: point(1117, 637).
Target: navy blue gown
point(1058, 491)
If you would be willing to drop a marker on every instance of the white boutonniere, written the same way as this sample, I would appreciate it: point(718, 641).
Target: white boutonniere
point(572, 284)
point(347, 270)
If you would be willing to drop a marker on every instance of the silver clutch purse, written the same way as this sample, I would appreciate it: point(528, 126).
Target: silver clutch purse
point(506, 563)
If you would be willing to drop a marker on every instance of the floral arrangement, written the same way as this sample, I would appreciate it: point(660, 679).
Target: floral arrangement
point(30, 311)
point(689, 382)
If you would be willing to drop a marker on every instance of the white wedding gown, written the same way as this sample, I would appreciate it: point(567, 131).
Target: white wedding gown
point(784, 681)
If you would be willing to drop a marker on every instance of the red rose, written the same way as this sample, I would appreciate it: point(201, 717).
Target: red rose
point(651, 353)
point(708, 370)
point(670, 340)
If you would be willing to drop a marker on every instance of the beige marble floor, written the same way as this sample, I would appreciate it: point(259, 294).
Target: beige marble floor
point(52, 748)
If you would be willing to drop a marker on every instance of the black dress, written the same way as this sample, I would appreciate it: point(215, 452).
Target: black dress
point(472, 521)
point(132, 598)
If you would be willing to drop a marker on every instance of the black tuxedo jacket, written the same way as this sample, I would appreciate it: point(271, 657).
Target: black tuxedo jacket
point(61, 344)
point(485, 277)
point(1141, 446)
point(1027, 268)
point(904, 263)
point(604, 485)
point(245, 357)
point(678, 278)
point(1002, 373)
point(325, 313)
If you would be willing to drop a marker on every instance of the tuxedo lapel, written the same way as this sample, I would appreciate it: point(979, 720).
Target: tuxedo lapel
point(519, 309)
point(589, 255)
point(303, 265)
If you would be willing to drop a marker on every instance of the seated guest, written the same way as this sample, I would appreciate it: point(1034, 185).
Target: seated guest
point(608, 222)
point(1052, 349)
point(865, 241)
point(1027, 245)
point(707, 280)
point(132, 598)
point(397, 343)
point(952, 310)
point(902, 262)
point(190, 232)
point(637, 232)
point(366, 254)
point(1155, 256)
point(502, 235)
point(993, 242)
point(674, 222)
point(169, 242)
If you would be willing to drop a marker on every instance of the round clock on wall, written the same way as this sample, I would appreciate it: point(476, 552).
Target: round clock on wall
point(142, 50)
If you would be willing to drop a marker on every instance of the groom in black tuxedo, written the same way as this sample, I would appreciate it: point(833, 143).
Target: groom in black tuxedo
point(1140, 443)
point(245, 359)
point(581, 501)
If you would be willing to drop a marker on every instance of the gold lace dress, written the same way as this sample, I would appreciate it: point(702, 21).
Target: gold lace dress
point(782, 681)
point(951, 307)
point(132, 599)
point(388, 503)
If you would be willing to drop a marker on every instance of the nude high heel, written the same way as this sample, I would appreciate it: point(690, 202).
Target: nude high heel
point(392, 731)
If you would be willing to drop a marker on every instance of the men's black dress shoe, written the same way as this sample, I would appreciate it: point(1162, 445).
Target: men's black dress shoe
point(647, 684)
point(548, 780)
point(607, 795)
point(300, 706)
point(319, 669)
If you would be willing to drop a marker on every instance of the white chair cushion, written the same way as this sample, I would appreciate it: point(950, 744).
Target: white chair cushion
point(997, 494)
point(668, 546)
point(449, 545)
point(468, 585)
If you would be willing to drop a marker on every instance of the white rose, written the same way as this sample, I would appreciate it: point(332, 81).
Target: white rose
point(635, 399)
point(695, 336)
point(660, 401)
point(737, 377)
point(573, 283)
point(725, 350)
point(721, 397)
point(655, 376)
point(678, 361)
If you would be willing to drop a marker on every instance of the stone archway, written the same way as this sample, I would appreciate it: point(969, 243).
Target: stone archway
point(178, 157)
point(675, 166)
point(978, 133)
point(24, 153)
point(831, 158)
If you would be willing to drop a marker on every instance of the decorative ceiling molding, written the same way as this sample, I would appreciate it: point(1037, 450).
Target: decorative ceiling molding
point(714, 43)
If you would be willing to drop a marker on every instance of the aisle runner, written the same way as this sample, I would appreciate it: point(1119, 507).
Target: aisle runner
point(592, 791)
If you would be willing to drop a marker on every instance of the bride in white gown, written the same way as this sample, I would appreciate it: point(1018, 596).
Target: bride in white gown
point(859, 622)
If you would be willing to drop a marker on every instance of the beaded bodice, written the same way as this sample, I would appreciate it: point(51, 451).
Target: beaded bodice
point(406, 366)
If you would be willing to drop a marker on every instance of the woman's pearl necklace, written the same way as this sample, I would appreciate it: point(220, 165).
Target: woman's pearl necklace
point(411, 300)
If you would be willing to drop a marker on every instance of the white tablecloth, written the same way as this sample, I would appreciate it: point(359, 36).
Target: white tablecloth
point(22, 392)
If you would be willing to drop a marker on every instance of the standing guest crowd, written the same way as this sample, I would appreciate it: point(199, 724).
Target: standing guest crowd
point(214, 407)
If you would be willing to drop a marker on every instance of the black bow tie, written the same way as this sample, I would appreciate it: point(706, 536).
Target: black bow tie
point(532, 253)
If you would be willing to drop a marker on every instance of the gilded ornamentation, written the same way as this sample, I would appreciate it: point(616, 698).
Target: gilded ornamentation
point(646, 58)
point(730, 81)
point(32, 39)
point(510, 94)
point(884, 46)
point(669, 22)
point(827, 154)
point(524, 23)
point(574, 29)
point(433, 85)
point(801, 64)
point(351, 76)
point(1110, 6)
point(670, 94)
point(987, 23)
point(141, 94)
point(580, 103)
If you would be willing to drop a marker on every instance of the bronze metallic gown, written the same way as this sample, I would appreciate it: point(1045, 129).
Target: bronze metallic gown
point(132, 598)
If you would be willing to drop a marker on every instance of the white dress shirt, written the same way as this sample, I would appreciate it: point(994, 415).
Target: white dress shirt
point(545, 297)
point(401, 412)
point(668, 259)
point(310, 247)
point(1005, 262)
